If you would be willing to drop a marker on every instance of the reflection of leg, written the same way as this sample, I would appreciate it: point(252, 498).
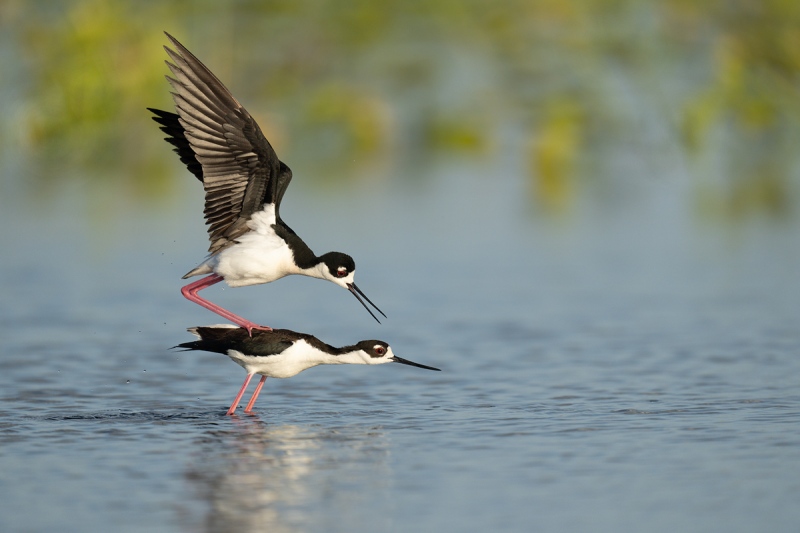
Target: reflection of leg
point(252, 401)
point(235, 403)
point(190, 293)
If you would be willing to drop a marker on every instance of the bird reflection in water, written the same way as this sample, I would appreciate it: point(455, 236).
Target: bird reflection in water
point(265, 477)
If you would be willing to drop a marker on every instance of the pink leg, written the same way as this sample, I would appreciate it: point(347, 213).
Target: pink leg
point(190, 293)
point(235, 403)
point(252, 401)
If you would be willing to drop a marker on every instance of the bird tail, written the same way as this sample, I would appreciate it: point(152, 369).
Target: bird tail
point(216, 338)
point(188, 346)
point(199, 270)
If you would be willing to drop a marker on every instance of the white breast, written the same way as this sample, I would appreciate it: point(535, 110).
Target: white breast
point(298, 357)
point(260, 256)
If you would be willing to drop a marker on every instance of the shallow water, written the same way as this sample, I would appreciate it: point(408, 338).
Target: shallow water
point(630, 369)
point(586, 217)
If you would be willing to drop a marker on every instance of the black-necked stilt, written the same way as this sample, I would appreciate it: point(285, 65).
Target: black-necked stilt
point(244, 182)
point(282, 353)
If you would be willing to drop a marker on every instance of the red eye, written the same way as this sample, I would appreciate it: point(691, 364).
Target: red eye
point(380, 350)
point(342, 272)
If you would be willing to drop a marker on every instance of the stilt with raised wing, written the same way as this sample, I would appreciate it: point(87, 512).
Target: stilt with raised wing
point(244, 182)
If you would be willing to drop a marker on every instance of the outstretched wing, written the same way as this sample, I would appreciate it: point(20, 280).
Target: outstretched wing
point(238, 166)
point(176, 136)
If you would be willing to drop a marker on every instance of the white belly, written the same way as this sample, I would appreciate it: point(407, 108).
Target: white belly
point(298, 357)
point(260, 256)
point(255, 259)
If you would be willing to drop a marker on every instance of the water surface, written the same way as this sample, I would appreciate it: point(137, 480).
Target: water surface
point(612, 298)
point(613, 375)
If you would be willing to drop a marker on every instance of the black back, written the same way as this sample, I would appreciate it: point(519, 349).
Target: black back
point(262, 343)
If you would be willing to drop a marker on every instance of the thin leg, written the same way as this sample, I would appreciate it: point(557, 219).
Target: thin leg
point(252, 401)
point(235, 403)
point(190, 293)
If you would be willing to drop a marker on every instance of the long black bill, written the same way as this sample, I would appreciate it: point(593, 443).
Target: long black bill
point(356, 291)
point(412, 363)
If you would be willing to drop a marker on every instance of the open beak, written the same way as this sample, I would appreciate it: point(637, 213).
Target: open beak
point(412, 363)
point(356, 292)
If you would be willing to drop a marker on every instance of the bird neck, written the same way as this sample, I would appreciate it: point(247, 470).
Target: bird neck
point(319, 270)
point(303, 257)
point(317, 352)
point(351, 357)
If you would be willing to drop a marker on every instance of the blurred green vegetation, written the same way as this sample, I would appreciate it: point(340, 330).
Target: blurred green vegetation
point(337, 86)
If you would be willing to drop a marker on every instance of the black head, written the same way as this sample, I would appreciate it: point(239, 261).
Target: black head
point(339, 265)
point(374, 348)
point(379, 352)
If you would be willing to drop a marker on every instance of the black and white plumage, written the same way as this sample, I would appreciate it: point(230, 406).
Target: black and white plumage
point(244, 181)
point(282, 353)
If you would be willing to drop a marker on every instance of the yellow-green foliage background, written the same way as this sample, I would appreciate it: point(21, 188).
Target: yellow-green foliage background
point(361, 90)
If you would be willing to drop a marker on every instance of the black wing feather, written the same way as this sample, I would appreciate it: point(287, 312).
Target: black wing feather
point(282, 183)
point(261, 343)
point(220, 143)
point(170, 124)
point(222, 339)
